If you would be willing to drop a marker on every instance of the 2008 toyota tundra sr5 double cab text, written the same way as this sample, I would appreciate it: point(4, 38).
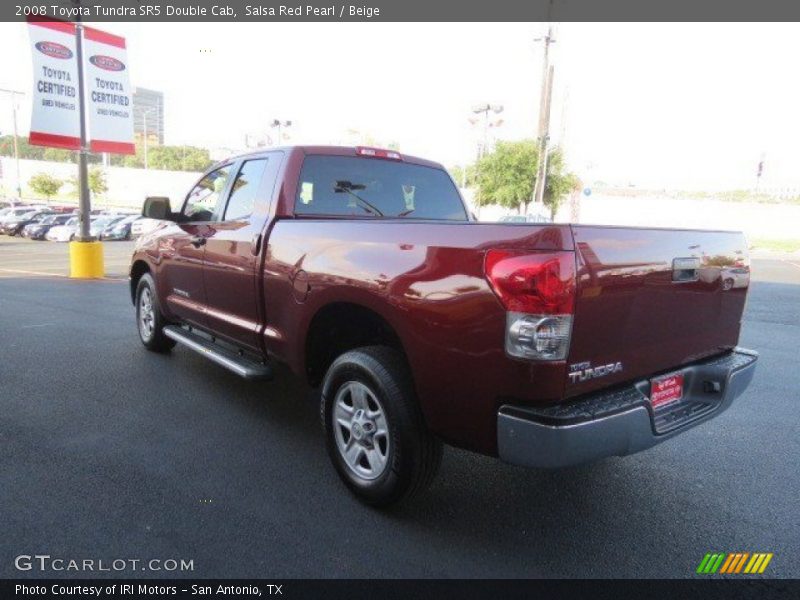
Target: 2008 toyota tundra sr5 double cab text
point(361, 269)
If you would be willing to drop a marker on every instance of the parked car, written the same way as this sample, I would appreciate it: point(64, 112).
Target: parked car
point(121, 230)
point(37, 231)
point(14, 226)
point(100, 223)
point(529, 218)
point(545, 345)
point(63, 233)
point(13, 213)
point(735, 277)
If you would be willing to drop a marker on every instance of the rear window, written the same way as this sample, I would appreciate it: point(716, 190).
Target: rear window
point(368, 187)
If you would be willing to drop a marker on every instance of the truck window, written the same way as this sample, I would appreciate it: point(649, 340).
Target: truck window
point(245, 187)
point(351, 186)
point(202, 200)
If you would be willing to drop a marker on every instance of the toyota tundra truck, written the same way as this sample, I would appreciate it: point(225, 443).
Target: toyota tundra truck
point(546, 345)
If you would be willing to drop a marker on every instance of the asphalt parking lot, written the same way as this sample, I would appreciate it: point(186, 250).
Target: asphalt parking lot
point(20, 257)
point(108, 451)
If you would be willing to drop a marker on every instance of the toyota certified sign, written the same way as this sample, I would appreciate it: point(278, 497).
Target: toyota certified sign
point(55, 114)
point(107, 102)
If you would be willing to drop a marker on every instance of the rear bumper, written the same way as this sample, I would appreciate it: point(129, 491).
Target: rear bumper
point(621, 421)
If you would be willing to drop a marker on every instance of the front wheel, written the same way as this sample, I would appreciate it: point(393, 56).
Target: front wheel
point(149, 319)
point(376, 436)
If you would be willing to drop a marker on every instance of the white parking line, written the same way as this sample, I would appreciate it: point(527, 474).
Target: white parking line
point(39, 273)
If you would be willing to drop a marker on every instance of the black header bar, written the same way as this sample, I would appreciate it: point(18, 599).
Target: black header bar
point(404, 10)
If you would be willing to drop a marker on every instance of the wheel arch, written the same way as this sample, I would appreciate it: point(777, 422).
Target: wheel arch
point(138, 268)
point(340, 326)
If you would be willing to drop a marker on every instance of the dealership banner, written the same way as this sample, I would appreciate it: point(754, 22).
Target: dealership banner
point(109, 102)
point(55, 118)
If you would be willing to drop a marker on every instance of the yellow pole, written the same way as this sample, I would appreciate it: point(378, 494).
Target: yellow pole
point(86, 260)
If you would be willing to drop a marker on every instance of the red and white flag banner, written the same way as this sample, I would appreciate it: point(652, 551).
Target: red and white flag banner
point(55, 118)
point(109, 99)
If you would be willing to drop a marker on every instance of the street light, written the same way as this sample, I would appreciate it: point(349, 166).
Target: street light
point(280, 124)
point(485, 109)
point(12, 93)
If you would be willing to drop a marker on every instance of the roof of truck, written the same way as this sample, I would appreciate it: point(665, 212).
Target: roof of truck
point(332, 151)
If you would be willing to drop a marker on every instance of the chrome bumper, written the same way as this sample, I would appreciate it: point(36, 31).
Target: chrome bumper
point(621, 421)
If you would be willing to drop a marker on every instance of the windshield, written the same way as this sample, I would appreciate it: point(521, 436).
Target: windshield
point(350, 186)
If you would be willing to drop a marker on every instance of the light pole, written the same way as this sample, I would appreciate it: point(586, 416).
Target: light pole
point(280, 125)
point(11, 94)
point(144, 124)
point(485, 109)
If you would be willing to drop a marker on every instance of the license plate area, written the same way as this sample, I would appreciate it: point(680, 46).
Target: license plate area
point(666, 391)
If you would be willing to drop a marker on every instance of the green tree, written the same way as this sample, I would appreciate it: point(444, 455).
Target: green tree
point(560, 184)
point(44, 184)
point(97, 181)
point(463, 176)
point(506, 177)
point(58, 155)
point(169, 158)
point(29, 152)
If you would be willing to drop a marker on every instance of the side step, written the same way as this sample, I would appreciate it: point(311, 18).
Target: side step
point(240, 365)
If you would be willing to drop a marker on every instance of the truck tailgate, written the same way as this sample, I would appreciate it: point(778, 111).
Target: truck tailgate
point(650, 300)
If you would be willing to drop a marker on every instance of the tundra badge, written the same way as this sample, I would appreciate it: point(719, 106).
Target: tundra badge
point(582, 371)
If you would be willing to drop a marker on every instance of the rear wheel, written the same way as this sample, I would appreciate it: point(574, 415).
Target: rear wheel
point(376, 436)
point(149, 319)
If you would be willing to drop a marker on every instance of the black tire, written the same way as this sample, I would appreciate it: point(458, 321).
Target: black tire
point(413, 452)
point(156, 341)
point(727, 284)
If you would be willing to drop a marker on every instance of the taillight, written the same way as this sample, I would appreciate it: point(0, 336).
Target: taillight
point(378, 153)
point(538, 291)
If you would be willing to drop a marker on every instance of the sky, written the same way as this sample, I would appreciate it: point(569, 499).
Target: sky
point(681, 106)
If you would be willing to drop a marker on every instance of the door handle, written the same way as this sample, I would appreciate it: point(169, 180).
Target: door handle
point(197, 241)
point(255, 245)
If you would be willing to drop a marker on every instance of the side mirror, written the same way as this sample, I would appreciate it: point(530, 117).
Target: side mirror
point(157, 207)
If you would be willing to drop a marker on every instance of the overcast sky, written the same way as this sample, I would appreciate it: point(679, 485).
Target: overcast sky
point(673, 105)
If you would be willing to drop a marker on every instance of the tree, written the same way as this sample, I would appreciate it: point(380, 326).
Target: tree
point(97, 182)
point(507, 175)
point(169, 158)
point(463, 176)
point(559, 184)
point(44, 184)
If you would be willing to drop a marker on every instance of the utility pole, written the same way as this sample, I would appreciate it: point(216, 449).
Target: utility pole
point(11, 94)
point(544, 116)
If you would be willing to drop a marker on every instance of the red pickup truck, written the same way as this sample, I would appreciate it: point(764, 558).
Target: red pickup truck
point(361, 269)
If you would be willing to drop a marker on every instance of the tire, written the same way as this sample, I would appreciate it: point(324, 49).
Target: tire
point(149, 320)
point(392, 456)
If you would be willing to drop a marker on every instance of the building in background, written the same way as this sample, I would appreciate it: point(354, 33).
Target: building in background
point(148, 116)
